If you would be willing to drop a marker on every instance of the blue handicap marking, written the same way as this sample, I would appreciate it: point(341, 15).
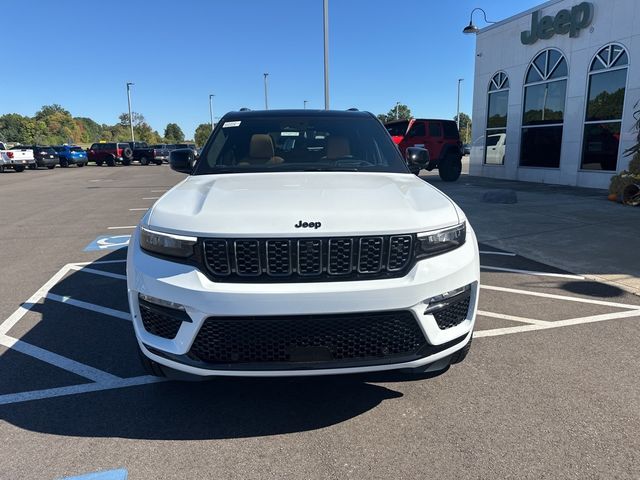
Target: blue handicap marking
point(119, 474)
point(108, 242)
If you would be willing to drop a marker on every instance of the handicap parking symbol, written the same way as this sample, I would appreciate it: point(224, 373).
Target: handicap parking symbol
point(108, 242)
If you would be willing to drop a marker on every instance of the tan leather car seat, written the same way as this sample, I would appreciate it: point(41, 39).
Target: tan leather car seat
point(261, 151)
point(337, 147)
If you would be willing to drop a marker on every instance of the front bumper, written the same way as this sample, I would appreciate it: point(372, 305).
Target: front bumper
point(202, 299)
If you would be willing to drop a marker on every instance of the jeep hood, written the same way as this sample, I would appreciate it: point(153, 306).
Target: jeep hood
point(271, 204)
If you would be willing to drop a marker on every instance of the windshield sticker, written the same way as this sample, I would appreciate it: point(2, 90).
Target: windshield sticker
point(289, 134)
point(231, 124)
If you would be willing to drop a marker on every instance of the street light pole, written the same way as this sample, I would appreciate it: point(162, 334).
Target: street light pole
point(266, 95)
point(129, 84)
point(211, 109)
point(326, 52)
point(305, 104)
point(460, 80)
point(397, 104)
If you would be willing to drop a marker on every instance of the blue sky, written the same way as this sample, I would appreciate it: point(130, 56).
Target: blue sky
point(80, 54)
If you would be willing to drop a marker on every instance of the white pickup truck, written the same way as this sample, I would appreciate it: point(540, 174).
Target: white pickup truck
point(18, 159)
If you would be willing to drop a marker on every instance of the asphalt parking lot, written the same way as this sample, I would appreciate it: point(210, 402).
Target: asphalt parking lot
point(550, 388)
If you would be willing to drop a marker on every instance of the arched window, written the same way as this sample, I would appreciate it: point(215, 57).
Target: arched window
point(496, 133)
point(543, 114)
point(603, 118)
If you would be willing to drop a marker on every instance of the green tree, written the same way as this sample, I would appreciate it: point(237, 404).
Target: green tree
point(202, 134)
point(398, 112)
point(18, 128)
point(59, 126)
point(173, 133)
point(89, 130)
point(465, 127)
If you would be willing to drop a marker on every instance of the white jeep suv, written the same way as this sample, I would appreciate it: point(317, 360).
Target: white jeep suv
point(301, 244)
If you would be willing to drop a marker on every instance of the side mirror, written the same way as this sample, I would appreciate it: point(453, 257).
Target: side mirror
point(182, 160)
point(417, 159)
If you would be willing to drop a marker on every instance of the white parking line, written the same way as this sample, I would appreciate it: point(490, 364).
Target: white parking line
point(489, 252)
point(558, 324)
point(121, 228)
point(158, 191)
point(56, 360)
point(10, 398)
point(88, 306)
point(560, 297)
point(99, 262)
point(78, 268)
point(138, 209)
point(513, 318)
point(150, 198)
point(23, 309)
point(532, 272)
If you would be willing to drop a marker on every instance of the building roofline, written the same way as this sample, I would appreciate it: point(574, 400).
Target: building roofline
point(518, 15)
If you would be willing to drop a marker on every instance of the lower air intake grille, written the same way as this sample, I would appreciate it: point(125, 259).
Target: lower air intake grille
point(307, 339)
point(453, 314)
point(159, 323)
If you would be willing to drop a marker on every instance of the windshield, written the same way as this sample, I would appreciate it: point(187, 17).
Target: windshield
point(76, 149)
point(397, 129)
point(310, 143)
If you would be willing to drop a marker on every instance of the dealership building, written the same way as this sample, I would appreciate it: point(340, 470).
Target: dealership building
point(554, 93)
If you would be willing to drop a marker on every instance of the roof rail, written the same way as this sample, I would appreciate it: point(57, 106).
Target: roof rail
point(352, 109)
point(245, 109)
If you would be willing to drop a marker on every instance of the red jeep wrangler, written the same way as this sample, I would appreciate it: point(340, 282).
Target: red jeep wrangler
point(110, 153)
point(439, 137)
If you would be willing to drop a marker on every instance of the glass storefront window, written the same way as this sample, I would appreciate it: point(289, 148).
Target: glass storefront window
point(497, 107)
point(541, 147)
point(603, 117)
point(543, 113)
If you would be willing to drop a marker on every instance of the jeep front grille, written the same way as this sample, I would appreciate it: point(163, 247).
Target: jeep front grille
point(307, 259)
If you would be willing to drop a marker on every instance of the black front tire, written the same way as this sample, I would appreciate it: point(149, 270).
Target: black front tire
point(144, 161)
point(64, 163)
point(19, 168)
point(158, 162)
point(461, 354)
point(126, 162)
point(450, 168)
point(32, 166)
point(80, 165)
point(111, 161)
point(150, 367)
point(51, 167)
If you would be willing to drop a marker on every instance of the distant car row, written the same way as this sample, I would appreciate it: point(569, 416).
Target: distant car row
point(21, 157)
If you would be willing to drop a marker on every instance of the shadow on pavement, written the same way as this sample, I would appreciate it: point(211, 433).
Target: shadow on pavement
point(219, 408)
point(593, 289)
point(222, 408)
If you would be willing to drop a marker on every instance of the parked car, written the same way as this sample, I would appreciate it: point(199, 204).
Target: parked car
point(18, 159)
point(187, 145)
point(145, 154)
point(496, 144)
point(71, 155)
point(110, 153)
point(466, 149)
point(44, 156)
point(440, 137)
point(326, 256)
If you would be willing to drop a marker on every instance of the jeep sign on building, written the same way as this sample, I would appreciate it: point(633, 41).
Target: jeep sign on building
point(554, 93)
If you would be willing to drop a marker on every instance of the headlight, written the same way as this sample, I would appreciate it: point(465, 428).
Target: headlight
point(430, 244)
point(166, 243)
